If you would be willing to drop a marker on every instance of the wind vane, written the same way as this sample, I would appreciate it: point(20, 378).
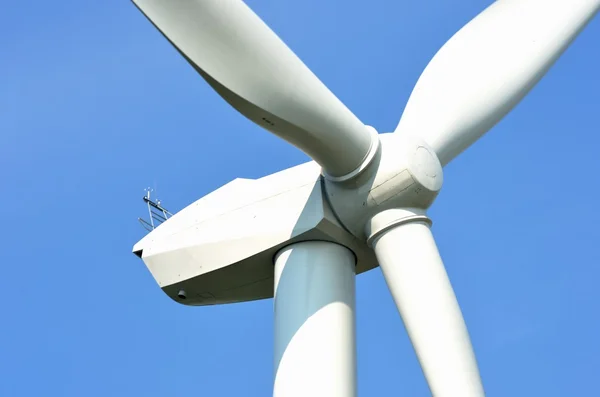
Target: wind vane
point(157, 213)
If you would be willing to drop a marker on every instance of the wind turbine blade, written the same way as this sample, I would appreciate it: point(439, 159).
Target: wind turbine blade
point(255, 72)
point(417, 279)
point(486, 68)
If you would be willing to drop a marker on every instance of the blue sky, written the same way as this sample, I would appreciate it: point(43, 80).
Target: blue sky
point(95, 105)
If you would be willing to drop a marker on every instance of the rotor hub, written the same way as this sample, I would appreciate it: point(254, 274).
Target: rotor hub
point(404, 173)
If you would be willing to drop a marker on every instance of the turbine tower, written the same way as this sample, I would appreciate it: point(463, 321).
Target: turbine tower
point(302, 234)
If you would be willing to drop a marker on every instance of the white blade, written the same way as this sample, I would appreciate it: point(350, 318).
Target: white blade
point(253, 70)
point(486, 68)
point(417, 279)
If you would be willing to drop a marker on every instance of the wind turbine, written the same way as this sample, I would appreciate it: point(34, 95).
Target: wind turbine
point(302, 234)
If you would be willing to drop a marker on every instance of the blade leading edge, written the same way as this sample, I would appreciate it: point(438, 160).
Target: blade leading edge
point(254, 71)
point(486, 68)
point(417, 279)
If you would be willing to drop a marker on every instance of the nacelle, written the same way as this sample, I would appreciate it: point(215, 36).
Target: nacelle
point(220, 249)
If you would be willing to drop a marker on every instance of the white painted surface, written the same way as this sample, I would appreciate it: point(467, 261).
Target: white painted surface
point(405, 174)
point(255, 72)
point(235, 222)
point(486, 68)
point(416, 276)
point(225, 242)
point(315, 342)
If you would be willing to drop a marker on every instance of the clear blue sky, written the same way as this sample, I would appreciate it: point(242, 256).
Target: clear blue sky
point(95, 105)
